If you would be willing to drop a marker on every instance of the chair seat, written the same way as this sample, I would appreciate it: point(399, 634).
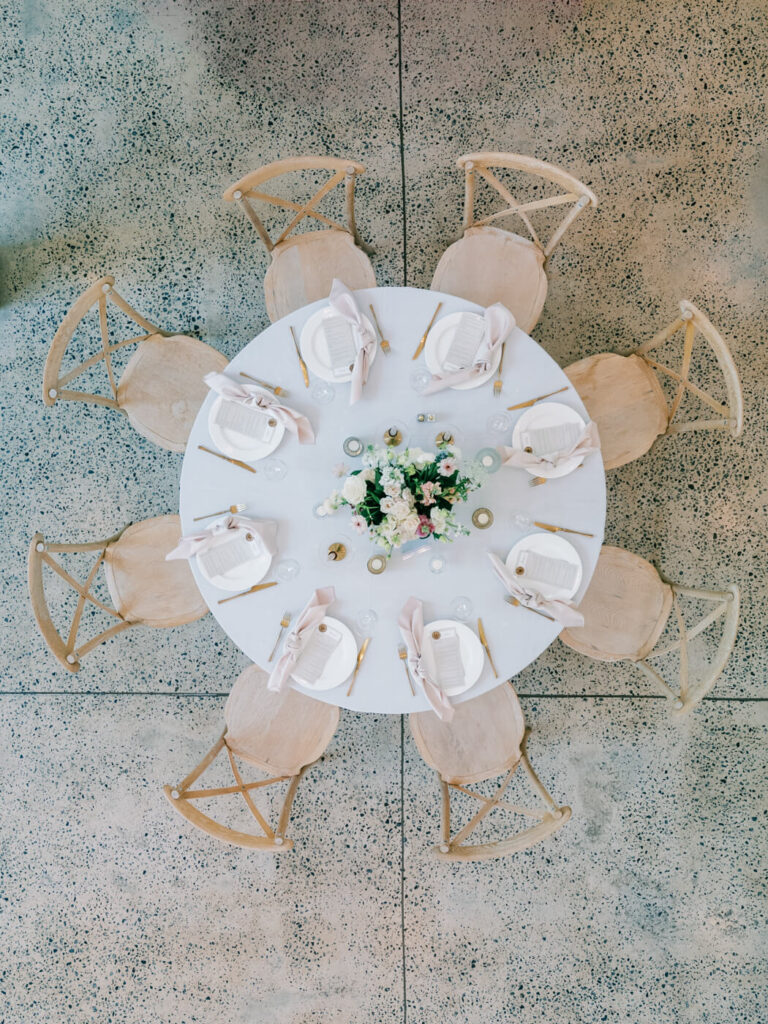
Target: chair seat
point(278, 732)
point(143, 586)
point(162, 387)
point(625, 609)
point(482, 740)
point(491, 265)
point(303, 269)
point(624, 398)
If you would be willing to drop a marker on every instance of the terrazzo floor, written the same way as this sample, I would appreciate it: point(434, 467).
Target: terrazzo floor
point(122, 125)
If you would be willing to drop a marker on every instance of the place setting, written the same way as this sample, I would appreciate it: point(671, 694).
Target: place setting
point(549, 441)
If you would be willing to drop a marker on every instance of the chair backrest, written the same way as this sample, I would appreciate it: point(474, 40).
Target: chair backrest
point(249, 188)
point(66, 648)
point(574, 192)
point(54, 383)
point(729, 417)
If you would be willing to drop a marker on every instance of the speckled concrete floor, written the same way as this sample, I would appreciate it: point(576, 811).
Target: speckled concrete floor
point(121, 126)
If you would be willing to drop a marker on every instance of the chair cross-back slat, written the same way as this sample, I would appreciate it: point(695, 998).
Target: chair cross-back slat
point(731, 415)
point(479, 164)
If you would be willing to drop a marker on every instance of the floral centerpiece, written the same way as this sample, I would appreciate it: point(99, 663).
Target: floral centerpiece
point(403, 496)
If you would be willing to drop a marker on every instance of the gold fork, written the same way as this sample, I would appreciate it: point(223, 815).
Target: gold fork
point(277, 391)
point(423, 341)
point(402, 653)
point(284, 624)
point(234, 510)
point(385, 346)
point(498, 382)
point(537, 481)
point(519, 604)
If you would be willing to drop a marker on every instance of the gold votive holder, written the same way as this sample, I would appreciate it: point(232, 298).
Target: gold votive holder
point(377, 564)
point(337, 551)
point(393, 436)
point(482, 518)
point(445, 437)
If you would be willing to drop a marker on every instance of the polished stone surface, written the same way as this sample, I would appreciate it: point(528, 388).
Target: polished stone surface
point(121, 127)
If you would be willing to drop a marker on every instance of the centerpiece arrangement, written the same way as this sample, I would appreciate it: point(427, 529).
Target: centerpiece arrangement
point(404, 496)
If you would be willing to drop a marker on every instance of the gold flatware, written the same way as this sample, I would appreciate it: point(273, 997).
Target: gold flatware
point(533, 401)
point(302, 364)
point(423, 341)
point(484, 642)
point(498, 382)
point(519, 604)
point(402, 653)
point(233, 510)
point(284, 624)
point(235, 462)
point(263, 384)
point(385, 346)
point(251, 590)
point(561, 529)
point(537, 481)
point(360, 656)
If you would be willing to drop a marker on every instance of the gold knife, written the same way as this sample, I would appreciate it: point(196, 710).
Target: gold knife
point(302, 364)
point(561, 529)
point(484, 642)
point(423, 341)
point(360, 656)
point(251, 590)
point(235, 462)
point(533, 401)
point(277, 391)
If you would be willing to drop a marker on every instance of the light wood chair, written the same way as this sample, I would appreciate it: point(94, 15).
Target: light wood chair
point(626, 610)
point(303, 267)
point(489, 264)
point(281, 734)
point(161, 388)
point(623, 394)
point(145, 589)
point(486, 738)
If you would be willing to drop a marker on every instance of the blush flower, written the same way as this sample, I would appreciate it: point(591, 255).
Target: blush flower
point(448, 467)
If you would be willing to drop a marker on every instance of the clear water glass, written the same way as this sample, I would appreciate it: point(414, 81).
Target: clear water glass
point(499, 423)
point(420, 380)
point(287, 569)
point(366, 620)
point(521, 521)
point(322, 392)
point(275, 470)
point(461, 608)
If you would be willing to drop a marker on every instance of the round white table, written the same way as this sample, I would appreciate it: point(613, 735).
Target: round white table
point(516, 636)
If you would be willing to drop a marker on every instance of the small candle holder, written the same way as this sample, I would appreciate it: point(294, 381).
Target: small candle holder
point(377, 564)
point(393, 436)
point(489, 459)
point(444, 438)
point(425, 417)
point(436, 564)
point(482, 518)
point(337, 551)
point(353, 447)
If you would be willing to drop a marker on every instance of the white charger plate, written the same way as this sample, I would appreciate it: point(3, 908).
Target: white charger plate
point(548, 414)
point(314, 348)
point(551, 546)
point(237, 445)
point(439, 342)
point(246, 574)
point(339, 666)
point(472, 653)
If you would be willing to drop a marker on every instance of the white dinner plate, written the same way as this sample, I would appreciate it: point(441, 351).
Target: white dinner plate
point(551, 546)
point(439, 342)
point(472, 654)
point(339, 666)
point(237, 445)
point(247, 573)
point(314, 347)
point(548, 414)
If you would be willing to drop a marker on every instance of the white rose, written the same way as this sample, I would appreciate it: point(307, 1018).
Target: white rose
point(439, 518)
point(409, 526)
point(368, 475)
point(386, 505)
point(421, 458)
point(353, 490)
point(401, 509)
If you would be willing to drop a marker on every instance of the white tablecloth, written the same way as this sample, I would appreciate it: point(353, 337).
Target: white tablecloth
point(516, 636)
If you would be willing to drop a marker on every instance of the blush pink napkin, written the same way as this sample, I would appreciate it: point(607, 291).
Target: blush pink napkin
point(561, 610)
point(221, 531)
point(250, 394)
point(585, 444)
point(411, 623)
point(342, 301)
point(313, 615)
point(498, 323)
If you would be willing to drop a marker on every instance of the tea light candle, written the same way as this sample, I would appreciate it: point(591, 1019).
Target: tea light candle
point(436, 564)
point(377, 564)
point(353, 446)
point(482, 518)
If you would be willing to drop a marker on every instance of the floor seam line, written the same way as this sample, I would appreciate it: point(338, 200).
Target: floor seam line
point(402, 139)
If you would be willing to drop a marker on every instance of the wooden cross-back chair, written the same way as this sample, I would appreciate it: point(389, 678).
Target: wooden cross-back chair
point(486, 738)
point(161, 388)
point(144, 588)
point(303, 266)
point(626, 610)
point(281, 734)
point(624, 397)
point(490, 264)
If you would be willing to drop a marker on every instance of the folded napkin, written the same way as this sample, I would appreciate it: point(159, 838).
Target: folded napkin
point(411, 623)
point(561, 610)
point(312, 615)
point(342, 301)
point(250, 396)
point(587, 442)
point(226, 544)
point(498, 323)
